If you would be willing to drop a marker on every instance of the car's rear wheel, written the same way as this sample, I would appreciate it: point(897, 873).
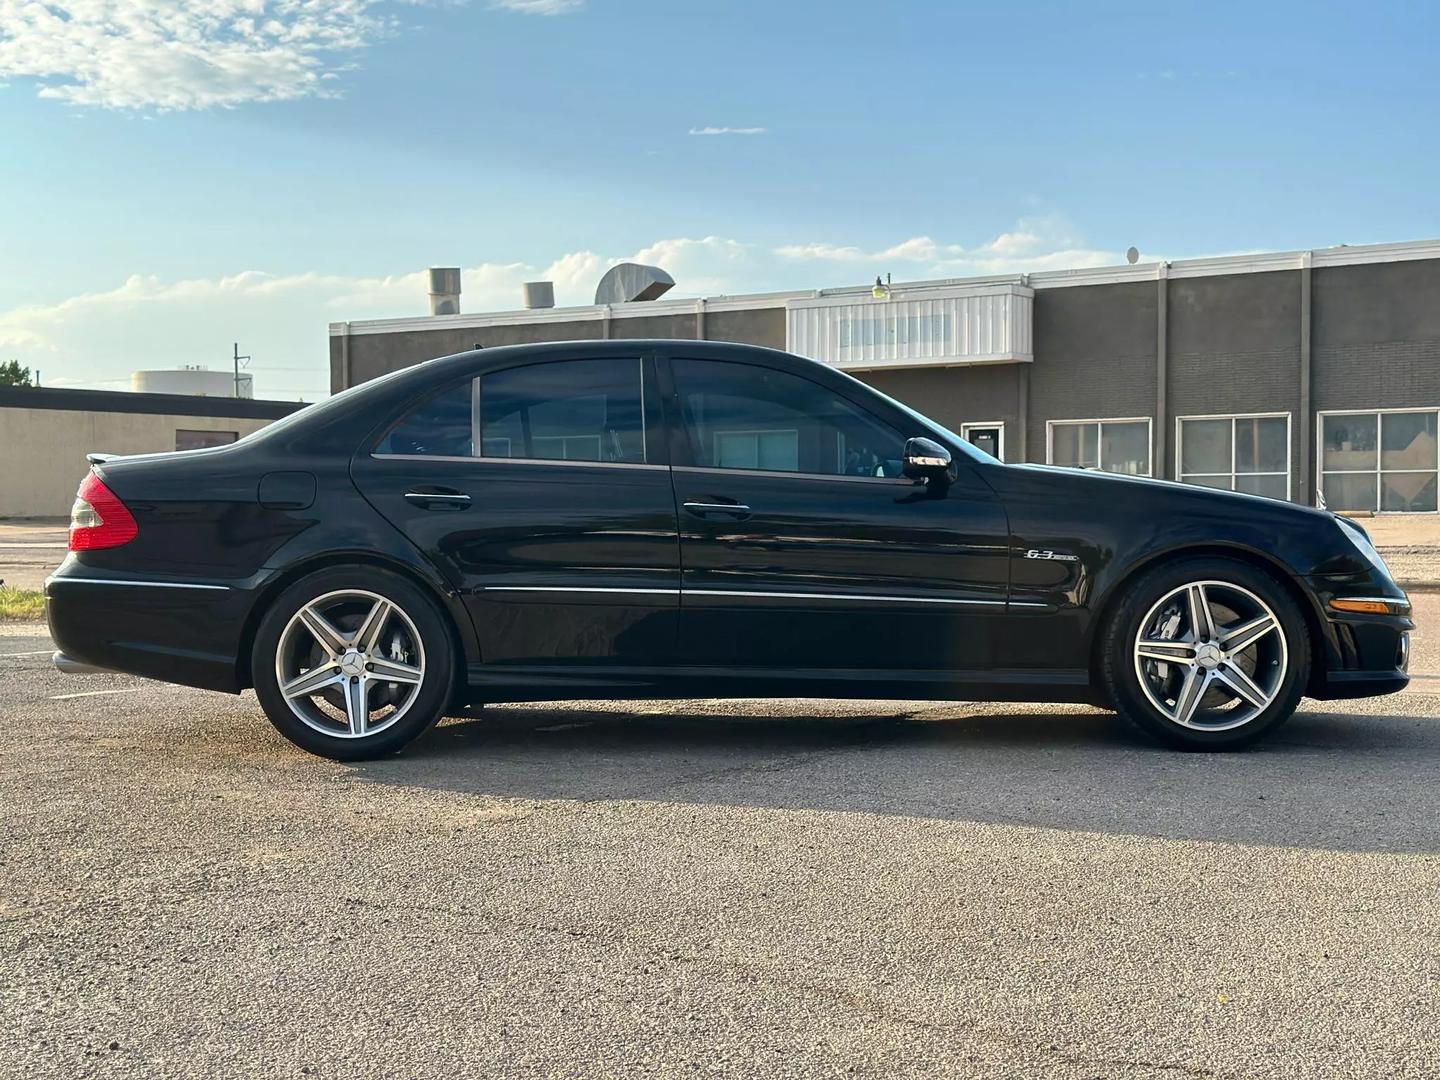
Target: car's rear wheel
point(353, 662)
point(1206, 654)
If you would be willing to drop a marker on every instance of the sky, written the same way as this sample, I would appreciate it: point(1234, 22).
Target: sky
point(180, 175)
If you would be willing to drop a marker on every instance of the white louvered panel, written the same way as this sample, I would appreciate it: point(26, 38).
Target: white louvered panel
point(986, 325)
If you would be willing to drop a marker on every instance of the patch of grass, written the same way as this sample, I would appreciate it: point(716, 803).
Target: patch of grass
point(21, 603)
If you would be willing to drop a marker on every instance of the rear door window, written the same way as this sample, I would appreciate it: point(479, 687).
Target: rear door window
point(566, 410)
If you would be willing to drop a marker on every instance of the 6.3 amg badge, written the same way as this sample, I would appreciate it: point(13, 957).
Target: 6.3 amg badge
point(1054, 556)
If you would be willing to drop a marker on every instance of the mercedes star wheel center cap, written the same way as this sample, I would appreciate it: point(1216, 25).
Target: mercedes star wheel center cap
point(1208, 656)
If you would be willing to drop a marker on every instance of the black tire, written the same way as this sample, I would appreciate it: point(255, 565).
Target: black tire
point(437, 655)
point(1122, 682)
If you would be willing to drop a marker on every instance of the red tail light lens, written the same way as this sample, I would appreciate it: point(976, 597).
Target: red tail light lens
point(99, 519)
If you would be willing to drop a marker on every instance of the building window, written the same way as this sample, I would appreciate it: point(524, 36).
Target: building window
point(198, 440)
point(1249, 453)
point(1118, 446)
point(1379, 460)
point(988, 436)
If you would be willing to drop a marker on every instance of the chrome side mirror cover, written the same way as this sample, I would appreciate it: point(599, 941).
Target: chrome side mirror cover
point(925, 459)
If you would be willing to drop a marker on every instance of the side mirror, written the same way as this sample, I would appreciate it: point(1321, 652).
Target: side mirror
point(925, 459)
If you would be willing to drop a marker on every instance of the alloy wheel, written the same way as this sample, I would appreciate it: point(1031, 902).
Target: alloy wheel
point(1211, 655)
point(350, 663)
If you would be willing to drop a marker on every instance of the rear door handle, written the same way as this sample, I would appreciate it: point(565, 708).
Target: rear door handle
point(443, 498)
point(700, 509)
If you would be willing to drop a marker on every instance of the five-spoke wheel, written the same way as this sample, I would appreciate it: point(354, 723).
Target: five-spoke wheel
point(1206, 653)
point(353, 662)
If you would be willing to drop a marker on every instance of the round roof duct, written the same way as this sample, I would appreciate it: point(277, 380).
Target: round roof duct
point(631, 282)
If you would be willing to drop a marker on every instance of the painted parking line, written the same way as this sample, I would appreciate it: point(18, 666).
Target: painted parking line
point(38, 652)
point(98, 693)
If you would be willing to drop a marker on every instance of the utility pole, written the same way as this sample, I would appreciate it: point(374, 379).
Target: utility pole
point(238, 358)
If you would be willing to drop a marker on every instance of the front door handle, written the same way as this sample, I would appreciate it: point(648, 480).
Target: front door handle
point(439, 499)
point(700, 509)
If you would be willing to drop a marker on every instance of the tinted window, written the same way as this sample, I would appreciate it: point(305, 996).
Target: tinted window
point(570, 410)
point(439, 425)
point(747, 417)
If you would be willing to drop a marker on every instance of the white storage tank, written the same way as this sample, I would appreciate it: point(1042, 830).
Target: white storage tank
point(199, 381)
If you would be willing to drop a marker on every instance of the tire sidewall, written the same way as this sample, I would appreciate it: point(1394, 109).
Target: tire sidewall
point(435, 692)
point(1123, 682)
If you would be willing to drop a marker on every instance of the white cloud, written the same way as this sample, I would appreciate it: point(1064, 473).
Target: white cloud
point(728, 131)
point(538, 7)
point(185, 54)
point(1034, 244)
point(98, 338)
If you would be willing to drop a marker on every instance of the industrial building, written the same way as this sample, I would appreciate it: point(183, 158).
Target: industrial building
point(1300, 375)
point(46, 433)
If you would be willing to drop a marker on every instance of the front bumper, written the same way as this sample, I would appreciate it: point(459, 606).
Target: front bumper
point(1362, 655)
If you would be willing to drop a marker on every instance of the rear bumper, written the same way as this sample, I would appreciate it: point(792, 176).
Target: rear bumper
point(68, 665)
point(176, 631)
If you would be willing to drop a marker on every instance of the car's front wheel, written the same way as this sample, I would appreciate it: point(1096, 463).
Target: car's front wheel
point(1206, 654)
point(352, 663)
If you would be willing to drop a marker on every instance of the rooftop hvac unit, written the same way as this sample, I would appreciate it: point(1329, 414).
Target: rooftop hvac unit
point(538, 294)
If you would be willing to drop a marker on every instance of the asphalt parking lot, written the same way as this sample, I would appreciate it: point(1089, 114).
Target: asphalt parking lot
point(716, 888)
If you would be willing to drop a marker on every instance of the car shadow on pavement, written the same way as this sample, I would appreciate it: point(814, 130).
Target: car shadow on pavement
point(1361, 782)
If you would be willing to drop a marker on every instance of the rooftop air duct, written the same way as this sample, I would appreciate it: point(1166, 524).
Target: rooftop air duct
point(444, 290)
point(538, 294)
point(628, 283)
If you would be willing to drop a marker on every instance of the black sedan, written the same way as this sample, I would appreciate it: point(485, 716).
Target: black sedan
point(630, 519)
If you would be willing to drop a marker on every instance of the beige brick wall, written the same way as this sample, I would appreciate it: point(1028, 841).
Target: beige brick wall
point(42, 451)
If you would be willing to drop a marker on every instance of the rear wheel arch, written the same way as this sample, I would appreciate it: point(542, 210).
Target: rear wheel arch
point(457, 622)
point(1255, 559)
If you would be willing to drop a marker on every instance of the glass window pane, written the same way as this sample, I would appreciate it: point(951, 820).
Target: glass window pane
point(1260, 444)
point(1222, 481)
point(1412, 492)
point(1125, 448)
point(1349, 491)
point(1272, 487)
point(1408, 440)
point(438, 426)
point(1205, 446)
point(570, 410)
point(1348, 442)
point(1075, 444)
point(743, 416)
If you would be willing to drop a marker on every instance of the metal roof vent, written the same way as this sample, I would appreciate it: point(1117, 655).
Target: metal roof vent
point(538, 294)
point(444, 290)
point(628, 283)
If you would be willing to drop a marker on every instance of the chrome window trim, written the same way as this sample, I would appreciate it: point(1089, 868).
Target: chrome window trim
point(145, 584)
point(520, 461)
point(895, 480)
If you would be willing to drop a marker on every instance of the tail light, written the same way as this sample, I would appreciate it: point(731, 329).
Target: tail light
point(99, 519)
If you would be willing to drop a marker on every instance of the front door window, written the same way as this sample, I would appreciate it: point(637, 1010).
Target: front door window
point(742, 416)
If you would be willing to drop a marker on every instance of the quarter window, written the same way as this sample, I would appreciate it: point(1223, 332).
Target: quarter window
point(742, 416)
point(438, 426)
point(568, 410)
point(1379, 460)
point(1237, 453)
point(1119, 446)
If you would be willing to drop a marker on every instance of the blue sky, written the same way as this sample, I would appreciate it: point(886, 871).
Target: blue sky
point(175, 175)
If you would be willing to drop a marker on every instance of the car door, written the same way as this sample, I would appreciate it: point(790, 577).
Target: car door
point(803, 546)
point(542, 492)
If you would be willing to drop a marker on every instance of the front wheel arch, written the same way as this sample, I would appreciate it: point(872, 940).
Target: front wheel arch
point(462, 644)
point(1260, 561)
